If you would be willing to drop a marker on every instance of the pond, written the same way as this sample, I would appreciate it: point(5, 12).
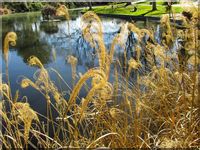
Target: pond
point(47, 39)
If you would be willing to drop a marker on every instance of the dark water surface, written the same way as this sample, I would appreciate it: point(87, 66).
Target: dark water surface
point(42, 40)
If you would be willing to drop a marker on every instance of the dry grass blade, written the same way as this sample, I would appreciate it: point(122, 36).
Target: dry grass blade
point(27, 115)
point(100, 138)
point(86, 76)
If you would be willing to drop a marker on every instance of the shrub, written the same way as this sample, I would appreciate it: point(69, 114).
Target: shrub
point(48, 12)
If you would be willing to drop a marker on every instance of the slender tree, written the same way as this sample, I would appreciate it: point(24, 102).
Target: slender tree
point(90, 5)
point(154, 5)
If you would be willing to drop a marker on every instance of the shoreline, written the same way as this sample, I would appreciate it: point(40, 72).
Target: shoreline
point(34, 12)
point(131, 17)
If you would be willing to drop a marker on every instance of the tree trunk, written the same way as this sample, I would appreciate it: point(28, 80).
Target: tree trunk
point(154, 5)
point(127, 4)
point(90, 5)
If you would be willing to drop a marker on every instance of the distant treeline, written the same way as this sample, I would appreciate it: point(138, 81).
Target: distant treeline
point(36, 6)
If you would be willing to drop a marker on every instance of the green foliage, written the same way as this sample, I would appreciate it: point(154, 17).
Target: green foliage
point(23, 6)
point(48, 12)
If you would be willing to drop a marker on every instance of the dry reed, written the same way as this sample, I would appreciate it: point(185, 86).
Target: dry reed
point(158, 110)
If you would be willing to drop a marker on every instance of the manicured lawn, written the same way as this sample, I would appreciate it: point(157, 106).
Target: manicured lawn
point(143, 9)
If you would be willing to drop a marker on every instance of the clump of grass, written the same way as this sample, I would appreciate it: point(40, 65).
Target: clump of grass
point(63, 11)
point(73, 61)
point(26, 115)
point(159, 109)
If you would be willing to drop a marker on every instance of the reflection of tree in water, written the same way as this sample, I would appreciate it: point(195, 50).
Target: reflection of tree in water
point(30, 44)
point(28, 34)
point(39, 50)
point(85, 54)
point(31, 41)
point(49, 27)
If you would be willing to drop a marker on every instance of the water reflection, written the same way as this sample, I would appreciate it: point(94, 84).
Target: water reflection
point(39, 38)
point(49, 27)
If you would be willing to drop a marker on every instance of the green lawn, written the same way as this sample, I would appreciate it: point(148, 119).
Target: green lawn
point(143, 9)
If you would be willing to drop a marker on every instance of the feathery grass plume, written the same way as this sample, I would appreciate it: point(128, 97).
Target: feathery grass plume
point(167, 36)
point(149, 54)
point(84, 103)
point(57, 96)
point(190, 21)
point(88, 36)
point(148, 33)
point(133, 28)
point(192, 60)
point(2, 114)
point(91, 18)
point(102, 54)
point(101, 89)
point(99, 94)
point(103, 92)
point(43, 76)
point(95, 89)
point(43, 82)
point(10, 38)
point(34, 61)
point(159, 53)
point(62, 10)
point(133, 64)
point(26, 115)
point(116, 114)
point(4, 90)
point(107, 91)
point(73, 61)
point(191, 14)
point(96, 80)
point(116, 82)
point(119, 39)
point(90, 73)
point(138, 51)
point(27, 82)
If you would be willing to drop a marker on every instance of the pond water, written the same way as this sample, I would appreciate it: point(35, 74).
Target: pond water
point(43, 40)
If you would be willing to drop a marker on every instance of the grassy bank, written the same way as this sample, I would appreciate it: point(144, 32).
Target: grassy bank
point(143, 9)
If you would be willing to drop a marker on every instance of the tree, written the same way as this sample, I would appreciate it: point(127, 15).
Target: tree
point(48, 12)
point(90, 5)
point(154, 5)
point(127, 4)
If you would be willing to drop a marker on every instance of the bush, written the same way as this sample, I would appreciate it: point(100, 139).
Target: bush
point(36, 6)
point(48, 12)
